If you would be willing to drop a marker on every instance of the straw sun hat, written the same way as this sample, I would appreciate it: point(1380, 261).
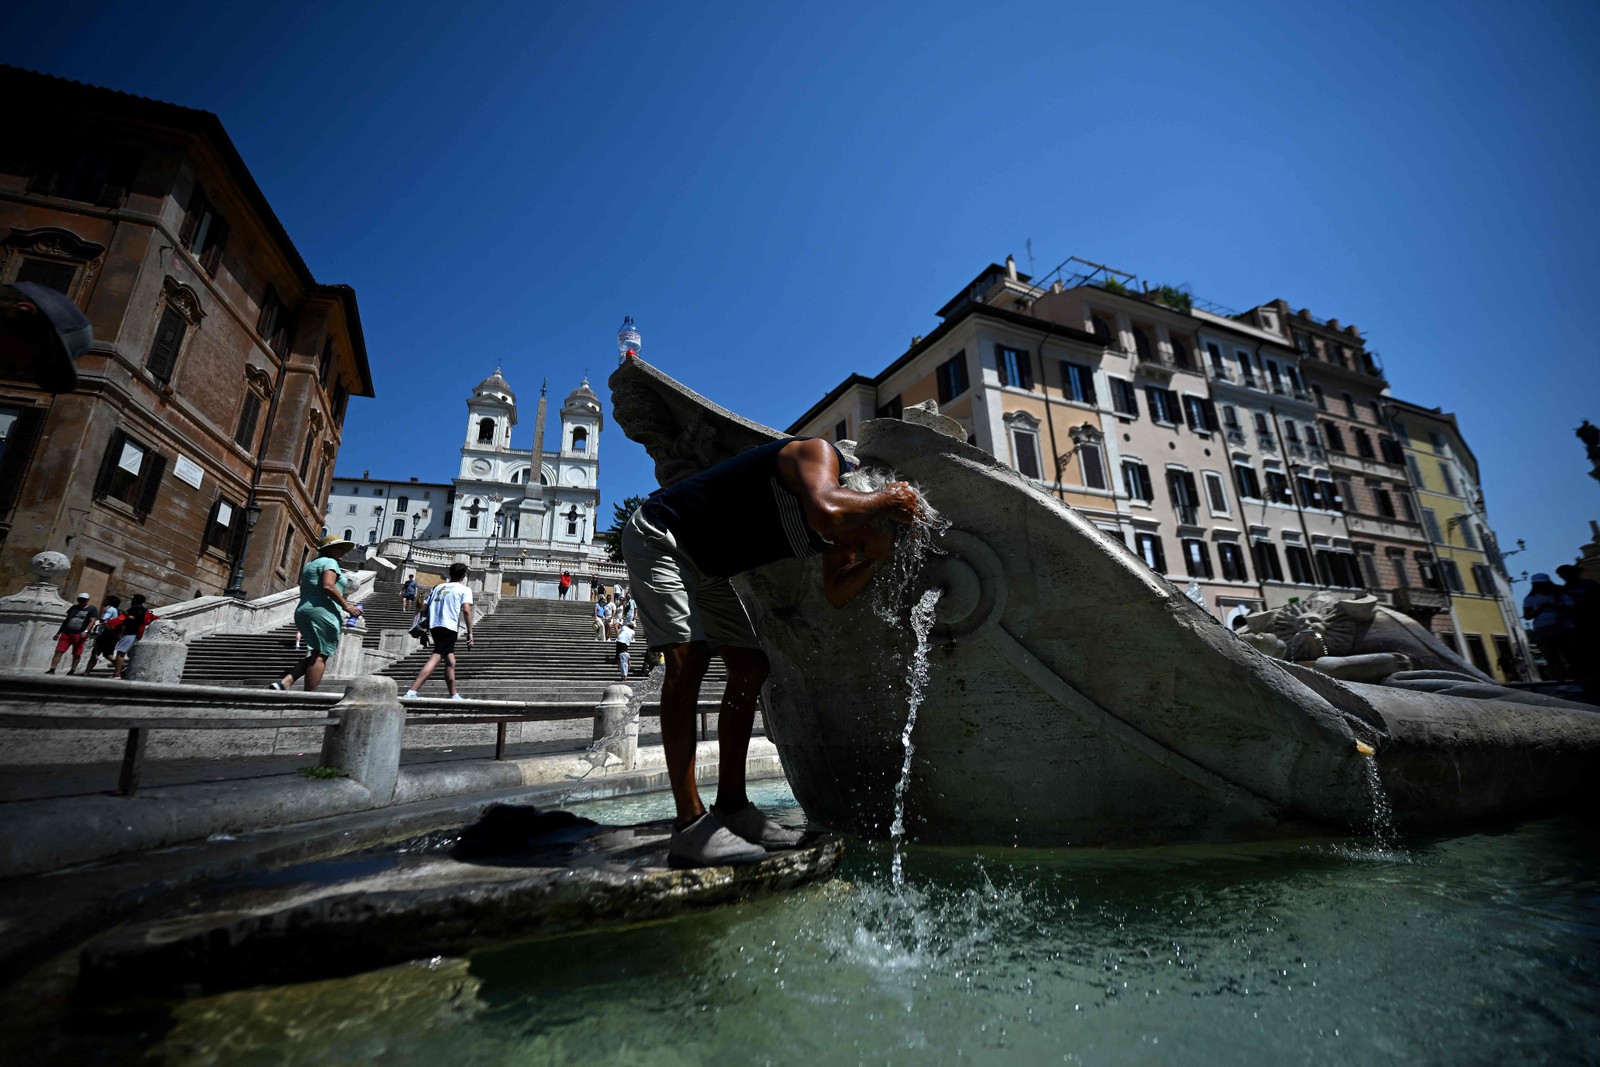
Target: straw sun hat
point(334, 541)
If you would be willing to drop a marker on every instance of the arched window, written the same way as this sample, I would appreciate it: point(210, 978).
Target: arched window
point(1141, 344)
point(580, 440)
point(349, 534)
point(485, 431)
point(1180, 353)
point(572, 521)
point(372, 536)
point(1101, 328)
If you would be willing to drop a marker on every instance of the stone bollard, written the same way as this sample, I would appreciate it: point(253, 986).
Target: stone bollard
point(30, 618)
point(366, 743)
point(160, 655)
point(351, 659)
point(616, 722)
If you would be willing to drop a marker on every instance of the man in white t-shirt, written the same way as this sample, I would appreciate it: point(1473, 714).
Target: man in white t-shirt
point(449, 605)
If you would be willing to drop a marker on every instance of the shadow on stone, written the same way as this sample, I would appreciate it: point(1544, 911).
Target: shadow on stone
point(512, 831)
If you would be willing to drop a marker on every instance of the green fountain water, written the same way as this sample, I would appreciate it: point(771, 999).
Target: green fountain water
point(1476, 949)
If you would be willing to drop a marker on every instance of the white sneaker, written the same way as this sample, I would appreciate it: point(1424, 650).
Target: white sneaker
point(707, 843)
point(411, 692)
point(754, 826)
point(457, 696)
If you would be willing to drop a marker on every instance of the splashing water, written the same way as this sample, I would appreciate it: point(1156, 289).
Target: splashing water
point(1385, 838)
point(916, 684)
point(599, 754)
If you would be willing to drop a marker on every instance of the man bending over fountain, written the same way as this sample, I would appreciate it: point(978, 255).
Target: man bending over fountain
point(781, 500)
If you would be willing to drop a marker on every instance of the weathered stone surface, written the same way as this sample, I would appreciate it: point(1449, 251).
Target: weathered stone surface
point(159, 656)
point(1074, 696)
point(366, 742)
point(572, 877)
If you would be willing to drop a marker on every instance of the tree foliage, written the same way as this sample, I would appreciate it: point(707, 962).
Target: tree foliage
point(620, 514)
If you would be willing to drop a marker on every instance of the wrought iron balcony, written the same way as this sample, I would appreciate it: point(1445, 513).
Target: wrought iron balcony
point(1235, 435)
point(1265, 441)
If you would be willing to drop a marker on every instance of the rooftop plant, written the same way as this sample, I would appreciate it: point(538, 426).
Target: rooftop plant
point(1173, 297)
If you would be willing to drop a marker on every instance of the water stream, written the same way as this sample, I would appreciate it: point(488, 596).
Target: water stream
point(922, 617)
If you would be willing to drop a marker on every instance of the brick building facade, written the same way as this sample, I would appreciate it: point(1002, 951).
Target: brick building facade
point(221, 370)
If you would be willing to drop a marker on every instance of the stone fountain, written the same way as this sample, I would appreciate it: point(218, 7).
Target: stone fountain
point(1076, 697)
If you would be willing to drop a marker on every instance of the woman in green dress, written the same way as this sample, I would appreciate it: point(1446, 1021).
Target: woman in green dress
point(320, 615)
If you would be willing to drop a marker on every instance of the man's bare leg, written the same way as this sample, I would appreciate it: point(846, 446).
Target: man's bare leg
point(425, 672)
point(747, 670)
point(450, 673)
point(680, 692)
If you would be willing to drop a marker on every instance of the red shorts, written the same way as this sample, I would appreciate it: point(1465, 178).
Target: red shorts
point(72, 641)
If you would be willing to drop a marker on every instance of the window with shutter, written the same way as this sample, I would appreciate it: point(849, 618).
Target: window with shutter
point(1364, 444)
point(220, 524)
point(893, 408)
point(1163, 405)
point(1136, 480)
point(1216, 494)
point(1268, 568)
point(1452, 575)
point(1124, 399)
point(1397, 562)
point(1335, 437)
point(1245, 478)
point(245, 435)
point(952, 377)
point(1334, 494)
point(50, 273)
point(1310, 492)
point(19, 434)
point(1430, 521)
point(1195, 409)
point(1180, 354)
point(163, 357)
point(1384, 501)
point(1185, 498)
point(1215, 355)
point(1150, 550)
point(1278, 491)
point(1026, 447)
point(1322, 401)
point(150, 484)
point(1232, 559)
point(305, 453)
point(1015, 366)
point(130, 473)
point(1196, 557)
point(1077, 382)
point(1093, 466)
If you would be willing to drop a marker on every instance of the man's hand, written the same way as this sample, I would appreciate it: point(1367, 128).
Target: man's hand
point(901, 503)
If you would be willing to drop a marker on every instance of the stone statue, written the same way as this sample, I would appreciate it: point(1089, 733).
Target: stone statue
point(1073, 697)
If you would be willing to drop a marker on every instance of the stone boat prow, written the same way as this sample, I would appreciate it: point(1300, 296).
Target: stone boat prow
point(1073, 695)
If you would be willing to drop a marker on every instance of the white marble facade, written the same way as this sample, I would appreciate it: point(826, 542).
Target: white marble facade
point(497, 491)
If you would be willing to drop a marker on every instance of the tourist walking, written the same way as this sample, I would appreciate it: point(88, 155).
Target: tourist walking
point(624, 639)
point(564, 586)
point(780, 500)
point(136, 620)
point(1584, 648)
point(106, 633)
point(319, 617)
point(449, 605)
point(408, 594)
point(73, 632)
point(1552, 613)
point(600, 618)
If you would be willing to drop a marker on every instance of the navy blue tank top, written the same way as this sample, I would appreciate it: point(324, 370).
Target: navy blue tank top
point(738, 515)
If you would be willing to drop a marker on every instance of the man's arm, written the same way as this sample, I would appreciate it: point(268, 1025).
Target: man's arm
point(466, 613)
point(810, 469)
point(849, 564)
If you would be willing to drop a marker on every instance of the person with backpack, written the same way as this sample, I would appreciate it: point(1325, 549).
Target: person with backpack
point(73, 632)
point(106, 633)
point(566, 585)
point(136, 621)
point(449, 605)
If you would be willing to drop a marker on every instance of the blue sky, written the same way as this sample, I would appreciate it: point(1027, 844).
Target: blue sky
point(782, 195)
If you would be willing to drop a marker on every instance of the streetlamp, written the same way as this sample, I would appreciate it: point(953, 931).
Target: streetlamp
point(494, 540)
point(252, 513)
point(411, 545)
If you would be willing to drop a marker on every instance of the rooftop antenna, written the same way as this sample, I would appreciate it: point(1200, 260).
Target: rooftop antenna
point(1029, 244)
point(543, 386)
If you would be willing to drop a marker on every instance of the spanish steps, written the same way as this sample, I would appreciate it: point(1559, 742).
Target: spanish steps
point(529, 649)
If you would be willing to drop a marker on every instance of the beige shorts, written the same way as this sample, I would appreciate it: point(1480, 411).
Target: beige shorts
point(676, 603)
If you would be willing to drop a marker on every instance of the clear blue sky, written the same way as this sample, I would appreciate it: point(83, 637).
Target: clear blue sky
point(784, 194)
